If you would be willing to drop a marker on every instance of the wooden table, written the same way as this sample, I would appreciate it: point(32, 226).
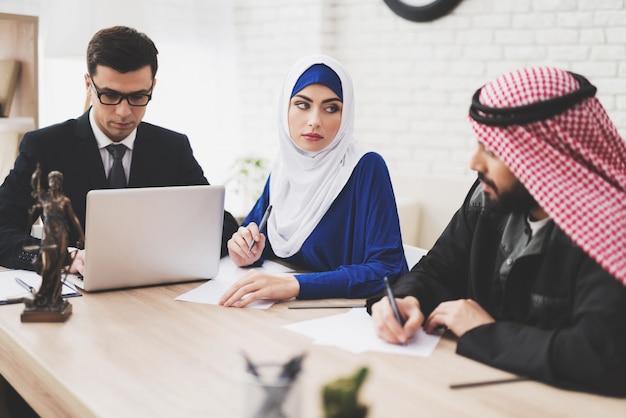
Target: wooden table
point(140, 353)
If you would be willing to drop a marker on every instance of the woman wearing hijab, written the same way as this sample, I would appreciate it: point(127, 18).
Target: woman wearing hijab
point(333, 207)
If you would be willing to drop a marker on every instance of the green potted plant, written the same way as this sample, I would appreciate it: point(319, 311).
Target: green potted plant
point(245, 183)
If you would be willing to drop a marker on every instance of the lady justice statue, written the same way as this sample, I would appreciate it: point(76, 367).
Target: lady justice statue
point(56, 211)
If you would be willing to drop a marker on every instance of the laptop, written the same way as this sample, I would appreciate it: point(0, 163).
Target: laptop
point(148, 236)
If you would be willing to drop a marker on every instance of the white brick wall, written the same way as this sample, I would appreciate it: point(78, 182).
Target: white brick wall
point(413, 81)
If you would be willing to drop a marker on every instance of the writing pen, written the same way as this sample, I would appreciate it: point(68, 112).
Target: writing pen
point(266, 215)
point(392, 302)
point(325, 306)
point(488, 382)
point(25, 285)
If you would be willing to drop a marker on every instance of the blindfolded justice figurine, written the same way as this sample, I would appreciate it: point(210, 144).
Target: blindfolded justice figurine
point(47, 304)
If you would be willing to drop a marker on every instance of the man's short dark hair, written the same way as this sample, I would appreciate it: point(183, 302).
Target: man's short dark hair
point(123, 49)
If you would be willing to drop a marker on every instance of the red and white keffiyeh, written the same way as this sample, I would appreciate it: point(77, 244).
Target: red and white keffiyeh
point(573, 163)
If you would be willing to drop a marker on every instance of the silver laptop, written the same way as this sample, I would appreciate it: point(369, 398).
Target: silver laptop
point(146, 236)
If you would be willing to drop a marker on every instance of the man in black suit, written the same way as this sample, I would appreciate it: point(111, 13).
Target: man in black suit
point(122, 65)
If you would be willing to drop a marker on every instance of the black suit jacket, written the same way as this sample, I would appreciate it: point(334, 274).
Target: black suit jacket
point(160, 158)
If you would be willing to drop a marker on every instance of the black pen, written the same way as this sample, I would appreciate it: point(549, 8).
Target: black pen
point(488, 382)
point(266, 215)
point(392, 302)
point(25, 285)
point(325, 306)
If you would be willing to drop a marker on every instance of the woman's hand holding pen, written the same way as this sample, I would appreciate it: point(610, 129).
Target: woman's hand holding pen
point(256, 285)
point(239, 245)
point(246, 245)
point(386, 324)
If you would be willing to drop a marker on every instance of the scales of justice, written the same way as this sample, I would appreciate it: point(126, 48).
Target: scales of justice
point(55, 209)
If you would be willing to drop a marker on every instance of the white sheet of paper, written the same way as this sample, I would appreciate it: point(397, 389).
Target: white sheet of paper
point(10, 288)
point(211, 291)
point(353, 331)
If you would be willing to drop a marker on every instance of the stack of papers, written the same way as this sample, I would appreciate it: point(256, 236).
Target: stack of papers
point(354, 332)
point(11, 290)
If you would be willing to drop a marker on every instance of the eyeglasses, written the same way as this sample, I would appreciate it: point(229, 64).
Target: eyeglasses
point(114, 98)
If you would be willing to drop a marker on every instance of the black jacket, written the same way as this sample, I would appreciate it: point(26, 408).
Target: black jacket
point(160, 158)
point(561, 318)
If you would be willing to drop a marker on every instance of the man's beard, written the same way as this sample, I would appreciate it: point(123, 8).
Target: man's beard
point(516, 199)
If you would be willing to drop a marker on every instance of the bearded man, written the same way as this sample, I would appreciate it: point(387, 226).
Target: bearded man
point(530, 273)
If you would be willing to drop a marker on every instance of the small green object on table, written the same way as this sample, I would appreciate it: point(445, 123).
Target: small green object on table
point(340, 396)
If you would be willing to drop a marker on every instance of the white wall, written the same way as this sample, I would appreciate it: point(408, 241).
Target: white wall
point(195, 91)
point(222, 64)
point(414, 81)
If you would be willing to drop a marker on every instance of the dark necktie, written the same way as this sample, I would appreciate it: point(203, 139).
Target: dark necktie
point(117, 178)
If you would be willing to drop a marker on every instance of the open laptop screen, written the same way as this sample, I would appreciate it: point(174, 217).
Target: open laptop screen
point(146, 236)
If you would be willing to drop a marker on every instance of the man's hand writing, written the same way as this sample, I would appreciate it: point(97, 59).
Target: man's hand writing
point(386, 324)
point(78, 263)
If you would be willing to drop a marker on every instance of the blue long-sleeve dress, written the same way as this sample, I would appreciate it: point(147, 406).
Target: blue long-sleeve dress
point(356, 243)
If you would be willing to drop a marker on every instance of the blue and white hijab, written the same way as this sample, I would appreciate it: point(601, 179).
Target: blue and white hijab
point(303, 184)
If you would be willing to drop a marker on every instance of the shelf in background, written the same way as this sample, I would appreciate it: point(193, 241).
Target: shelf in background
point(17, 124)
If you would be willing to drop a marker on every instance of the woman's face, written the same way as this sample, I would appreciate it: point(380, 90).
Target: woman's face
point(314, 117)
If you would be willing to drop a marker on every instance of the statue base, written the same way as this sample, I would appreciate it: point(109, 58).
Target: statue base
point(59, 313)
